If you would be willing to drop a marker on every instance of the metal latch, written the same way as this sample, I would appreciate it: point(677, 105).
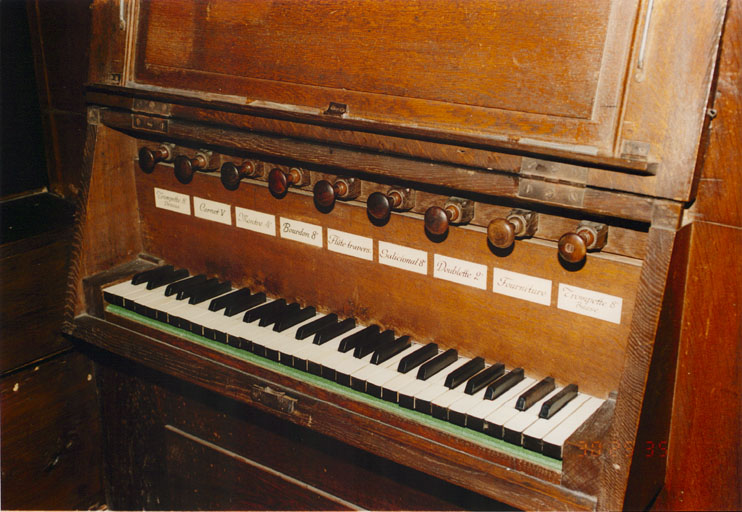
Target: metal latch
point(277, 400)
point(149, 123)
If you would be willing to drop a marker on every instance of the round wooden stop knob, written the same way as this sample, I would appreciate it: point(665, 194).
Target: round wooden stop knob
point(186, 167)
point(148, 158)
point(325, 192)
point(573, 246)
point(502, 232)
point(437, 220)
point(279, 181)
point(231, 174)
point(380, 206)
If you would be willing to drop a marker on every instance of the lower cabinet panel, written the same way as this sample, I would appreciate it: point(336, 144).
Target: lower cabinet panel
point(172, 445)
point(224, 480)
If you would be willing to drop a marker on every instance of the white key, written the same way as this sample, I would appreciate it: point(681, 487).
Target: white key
point(204, 317)
point(521, 420)
point(341, 358)
point(456, 395)
point(388, 370)
point(418, 387)
point(276, 341)
point(125, 288)
point(141, 293)
point(291, 346)
point(554, 440)
point(402, 380)
point(464, 404)
point(447, 399)
point(363, 374)
point(487, 407)
point(318, 353)
point(542, 426)
point(435, 390)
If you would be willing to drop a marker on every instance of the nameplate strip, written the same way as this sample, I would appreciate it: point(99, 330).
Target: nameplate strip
point(521, 286)
point(212, 210)
point(589, 303)
point(173, 201)
point(405, 258)
point(350, 244)
point(255, 221)
point(460, 271)
point(298, 231)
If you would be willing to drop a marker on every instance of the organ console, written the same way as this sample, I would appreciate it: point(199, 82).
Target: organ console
point(531, 376)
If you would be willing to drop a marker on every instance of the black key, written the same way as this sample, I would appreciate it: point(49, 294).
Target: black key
point(373, 390)
point(535, 393)
point(311, 328)
point(237, 342)
point(147, 275)
point(484, 378)
point(296, 316)
point(116, 300)
point(274, 314)
point(210, 292)
point(244, 303)
point(161, 316)
point(350, 342)
point(260, 311)
point(390, 349)
point(333, 331)
point(300, 364)
point(533, 444)
point(406, 401)
point(167, 278)
point(208, 332)
point(188, 291)
point(286, 359)
point(465, 372)
point(129, 304)
point(314, 368)
point(504, 383)
point(174, 320)
point(556, 402)
point(371, 343)
point(417, 358)
point(228, 299)
point(176, 287)
point(437, 364)
point(256, 348)
point(133, 306)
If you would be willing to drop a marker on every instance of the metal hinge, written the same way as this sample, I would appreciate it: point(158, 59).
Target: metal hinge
point(151, 107)
point(552, 182)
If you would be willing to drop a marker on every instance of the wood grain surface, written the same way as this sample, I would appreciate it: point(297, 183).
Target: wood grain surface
point(50, 436)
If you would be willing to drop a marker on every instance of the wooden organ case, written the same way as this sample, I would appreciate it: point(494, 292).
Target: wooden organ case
point(501, 178)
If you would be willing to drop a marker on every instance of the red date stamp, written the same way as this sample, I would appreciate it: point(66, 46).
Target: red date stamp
point(597, 448)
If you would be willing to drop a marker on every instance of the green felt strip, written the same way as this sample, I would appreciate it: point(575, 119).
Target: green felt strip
point(465, 433)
